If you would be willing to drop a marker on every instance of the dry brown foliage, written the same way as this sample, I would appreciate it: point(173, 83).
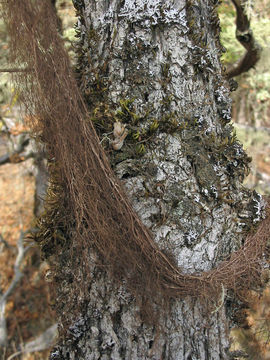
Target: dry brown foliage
point(86, 200)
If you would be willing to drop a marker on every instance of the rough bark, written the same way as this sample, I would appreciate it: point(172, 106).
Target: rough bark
point(154, 66)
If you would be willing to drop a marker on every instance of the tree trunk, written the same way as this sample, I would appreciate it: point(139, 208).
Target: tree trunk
point(153, 67)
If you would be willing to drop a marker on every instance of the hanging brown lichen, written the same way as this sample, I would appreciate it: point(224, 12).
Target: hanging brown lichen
point(86, 204)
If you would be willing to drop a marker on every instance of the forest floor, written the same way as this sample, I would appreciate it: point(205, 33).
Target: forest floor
point(27, 311)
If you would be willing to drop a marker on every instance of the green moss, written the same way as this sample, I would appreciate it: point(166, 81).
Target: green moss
point(52, 227)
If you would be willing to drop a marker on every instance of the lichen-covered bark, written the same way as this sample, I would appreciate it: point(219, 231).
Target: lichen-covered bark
point(112, 328)
point(154, 66)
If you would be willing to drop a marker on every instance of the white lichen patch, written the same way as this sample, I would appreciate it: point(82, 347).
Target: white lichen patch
point(77, 328)
point(226, 114)
point(153, 12)
point(259, 207)
point(146, 210)
point(222, 94)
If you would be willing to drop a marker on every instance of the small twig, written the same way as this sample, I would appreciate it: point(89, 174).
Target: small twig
point(14, 70)
point(252, 128)
point(3, 241)
point(14, 355)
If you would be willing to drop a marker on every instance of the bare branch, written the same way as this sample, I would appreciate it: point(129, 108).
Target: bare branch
point(245, 36)
point(40, 343)
point(3, 241)
point(16, 278)
point(15, 157)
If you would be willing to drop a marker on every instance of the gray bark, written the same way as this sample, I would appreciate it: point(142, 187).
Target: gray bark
point(162, 56)
point(41, 182)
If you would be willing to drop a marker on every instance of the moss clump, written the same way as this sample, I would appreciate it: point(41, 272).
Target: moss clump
point(51, 227)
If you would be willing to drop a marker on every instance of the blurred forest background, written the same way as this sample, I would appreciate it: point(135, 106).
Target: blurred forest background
point(27, 320)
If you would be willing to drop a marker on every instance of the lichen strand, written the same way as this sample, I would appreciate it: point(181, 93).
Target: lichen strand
point(157, 72)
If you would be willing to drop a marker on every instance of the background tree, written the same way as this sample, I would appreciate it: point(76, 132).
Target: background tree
point(152, 79)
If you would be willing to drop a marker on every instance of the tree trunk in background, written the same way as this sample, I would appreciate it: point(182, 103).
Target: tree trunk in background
point(154, 65)
point(41, 181)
